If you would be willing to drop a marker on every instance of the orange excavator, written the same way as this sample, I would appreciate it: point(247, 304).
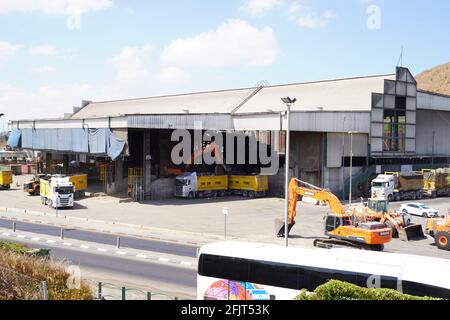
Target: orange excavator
point(176, 170)
point(340, 225)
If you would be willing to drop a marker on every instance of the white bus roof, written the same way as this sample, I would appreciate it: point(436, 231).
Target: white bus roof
point(432, 271)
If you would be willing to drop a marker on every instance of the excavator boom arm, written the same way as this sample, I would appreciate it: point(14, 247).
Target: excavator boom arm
point(300, 188)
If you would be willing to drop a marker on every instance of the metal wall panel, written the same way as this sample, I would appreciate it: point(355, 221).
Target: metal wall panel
point(389, 101)
point(401, 88)
point(376, 145)
point(410, 131)
point(430, 101)
point(427, 122)
point(410, 145)
point(411, 117)
point(411, 103)
point(377, 115)
point(213, 122)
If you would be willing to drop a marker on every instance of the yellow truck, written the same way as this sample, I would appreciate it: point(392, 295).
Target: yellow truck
point(5, 180)
point(57, 192)
point(249, 186)
point(80, 184)
point(436, 182)
point(191, 185)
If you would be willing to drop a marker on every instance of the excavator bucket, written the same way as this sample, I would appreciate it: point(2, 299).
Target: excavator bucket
point(280, 228)
point(411, 232)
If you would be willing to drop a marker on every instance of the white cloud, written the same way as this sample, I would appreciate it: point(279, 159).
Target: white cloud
point(43, 70)
point(172, 75)
point(307, 18)
point(49, 101)
point(65, 7)
point(44, 50)
point(260, 7)
point(233, 43)
point(8, 49)
point(131, 64)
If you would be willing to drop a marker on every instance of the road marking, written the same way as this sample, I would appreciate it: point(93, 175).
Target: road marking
point(21, 236)
point(186, 263)
point(163, 259)
point(6, 234)
point(143, 256)
point(84, 247)
point(67, 244)
point(35, 239)
point(102, 250)
point(51, 241)
point(121, 252)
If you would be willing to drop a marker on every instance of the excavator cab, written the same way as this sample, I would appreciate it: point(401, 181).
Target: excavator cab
point(332, 222)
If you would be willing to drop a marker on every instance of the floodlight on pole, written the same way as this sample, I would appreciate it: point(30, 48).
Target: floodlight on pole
point(289, 102)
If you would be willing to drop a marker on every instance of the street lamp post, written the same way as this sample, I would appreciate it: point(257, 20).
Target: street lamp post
point(351, 133)
point(289, 102)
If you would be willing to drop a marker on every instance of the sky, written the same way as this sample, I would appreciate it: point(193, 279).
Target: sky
point(55, 53)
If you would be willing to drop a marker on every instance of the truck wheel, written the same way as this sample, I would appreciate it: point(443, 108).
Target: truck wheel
point(245, 193)
point(397, 197)
point(442, 240)
point(50, 203)
point(252, 194)
point(419, 195)
point(191, 195)
point(390, 198)
point(434, 195)
point(414, 196)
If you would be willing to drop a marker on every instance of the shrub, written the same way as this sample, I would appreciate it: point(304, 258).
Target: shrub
point(339, 290)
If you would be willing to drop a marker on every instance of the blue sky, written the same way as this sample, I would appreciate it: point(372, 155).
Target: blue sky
point(54, 53)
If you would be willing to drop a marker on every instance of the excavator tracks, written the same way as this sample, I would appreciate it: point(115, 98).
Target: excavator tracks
point(337, 243)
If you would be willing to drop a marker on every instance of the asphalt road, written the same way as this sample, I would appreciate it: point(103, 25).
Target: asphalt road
point(109, 239)
point(151, 272)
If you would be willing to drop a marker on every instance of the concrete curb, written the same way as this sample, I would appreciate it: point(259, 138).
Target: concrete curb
point(72, 218)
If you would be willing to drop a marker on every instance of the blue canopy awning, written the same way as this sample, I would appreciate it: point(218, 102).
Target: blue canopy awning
point(115, 146)
point(14, 138)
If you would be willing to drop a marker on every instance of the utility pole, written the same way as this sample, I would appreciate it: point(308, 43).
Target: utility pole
point(289, 102)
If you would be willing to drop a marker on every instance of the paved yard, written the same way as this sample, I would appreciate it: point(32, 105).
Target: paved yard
point(249, 220)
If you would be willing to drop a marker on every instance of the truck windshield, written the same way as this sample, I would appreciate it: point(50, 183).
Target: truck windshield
point(182, 182)
point(377, 184)
point(64, 190)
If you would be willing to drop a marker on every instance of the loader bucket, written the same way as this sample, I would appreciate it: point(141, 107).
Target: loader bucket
point(411, 232)
point(280, 228)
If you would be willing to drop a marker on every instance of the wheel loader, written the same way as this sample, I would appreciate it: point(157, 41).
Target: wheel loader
point(377, 210)
point(439, 229)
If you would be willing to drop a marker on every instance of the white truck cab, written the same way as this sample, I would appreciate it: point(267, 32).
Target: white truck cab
point(383, 187)
point(57, 193)
point(186, 185)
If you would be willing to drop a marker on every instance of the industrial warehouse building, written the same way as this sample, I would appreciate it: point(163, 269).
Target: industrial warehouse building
point(396, 127)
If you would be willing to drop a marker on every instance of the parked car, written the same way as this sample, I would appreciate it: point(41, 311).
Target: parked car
point(419, 209)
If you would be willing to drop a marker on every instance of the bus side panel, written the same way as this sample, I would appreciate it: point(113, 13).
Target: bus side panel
point(222, 289)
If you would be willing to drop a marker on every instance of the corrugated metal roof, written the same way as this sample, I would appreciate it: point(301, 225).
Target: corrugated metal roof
point(196, 103)
point(351, 94)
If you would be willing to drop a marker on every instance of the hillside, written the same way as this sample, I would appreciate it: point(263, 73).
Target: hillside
point(436, 79)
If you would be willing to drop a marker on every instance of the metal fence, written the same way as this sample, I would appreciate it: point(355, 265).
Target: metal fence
point(108, 291)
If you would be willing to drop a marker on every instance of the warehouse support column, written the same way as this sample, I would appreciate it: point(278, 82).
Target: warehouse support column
point(147, 166)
